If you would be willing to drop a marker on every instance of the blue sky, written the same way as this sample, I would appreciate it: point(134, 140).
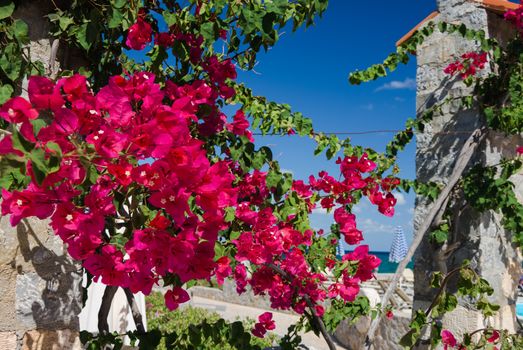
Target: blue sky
point(309, 70)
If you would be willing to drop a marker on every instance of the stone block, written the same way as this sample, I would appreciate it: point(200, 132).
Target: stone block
point(8, 341)
point(51, 340)
point(352, 336)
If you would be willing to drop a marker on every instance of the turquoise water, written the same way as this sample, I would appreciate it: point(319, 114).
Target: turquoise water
point(386, 266)
point(519, 310)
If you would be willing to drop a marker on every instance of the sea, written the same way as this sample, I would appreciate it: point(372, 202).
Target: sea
point(386, 266)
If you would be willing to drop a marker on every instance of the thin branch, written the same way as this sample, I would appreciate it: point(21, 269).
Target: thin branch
point(103, 313)
point(461, 163)
point(317, 319)
point(5, 132)
point(52, 57)
point(441, 289)
point(137, 316)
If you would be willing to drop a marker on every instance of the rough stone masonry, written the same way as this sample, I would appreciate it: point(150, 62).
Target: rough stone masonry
point(40, 286)
point(478, 237)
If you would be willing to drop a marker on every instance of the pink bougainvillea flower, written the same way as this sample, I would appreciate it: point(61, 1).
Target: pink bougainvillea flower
point(468, 65)
point(107, 142)
point(164, 39)
point(519, 150)
point(220, 71)
point(239, 126)
point(74, 87)
point(18, 110)
point(65, 122)
point(174, 297)
point(266, 320)
point(6, 146)
point(174, 202)
point(389, 183)
point(264, 324)
point(223, 269)
point(139, 35)
point(367, 263)
point(160, 222)
point(43, 93)
point(347, 222)
point(121, 171)
point(113, 99)
point(515, 17)
point(448, 340)
point(349, 289)
point(494, 337)
point(29, 202)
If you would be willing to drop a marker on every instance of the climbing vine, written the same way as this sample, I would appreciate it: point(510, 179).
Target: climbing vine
point(128, 152)
point(498, 96)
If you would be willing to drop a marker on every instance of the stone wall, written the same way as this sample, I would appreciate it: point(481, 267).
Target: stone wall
point(388, 334)
point(228, 294)
point(478, 237)
point(40, 286)
point(351, 336)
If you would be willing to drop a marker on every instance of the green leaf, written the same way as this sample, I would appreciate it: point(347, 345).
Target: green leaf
point(37, 125)
point(9, 62)
point(207, 31)
point(150, 340)
point(115, 19)
point(439, 236)
point(53, 146)
point(86, 35)
point(64, 22)
point(20, 143)
point(21, 31)
point(5, 93)
point(7, 8)
point(230, 214)
point(118, 3)
point(37, 68)
point(409, 339)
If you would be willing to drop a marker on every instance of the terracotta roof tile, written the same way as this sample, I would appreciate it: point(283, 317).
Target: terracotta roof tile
point(497, 6)
point(409, 34)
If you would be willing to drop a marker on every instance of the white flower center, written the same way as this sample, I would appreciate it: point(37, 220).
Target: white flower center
point(100, 132)
point(163, 200)
point(145, 76)
point(96, 137)
point(19, 202)
point(11, 112)
point(93, 112)
point(172, 198)
point(127, 173)
point(69, 217)
point(143, 173)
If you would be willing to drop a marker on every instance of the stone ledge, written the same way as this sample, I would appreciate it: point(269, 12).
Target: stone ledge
point(8, 340)
point(51, 340)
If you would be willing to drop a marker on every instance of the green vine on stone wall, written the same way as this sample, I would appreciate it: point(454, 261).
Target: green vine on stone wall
point(499, 97)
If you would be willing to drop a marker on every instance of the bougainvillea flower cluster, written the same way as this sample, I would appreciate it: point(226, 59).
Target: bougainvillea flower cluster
point(468, 65)
point(516, 17)
point(264, 324)
point(130, 181)
point(135, 139)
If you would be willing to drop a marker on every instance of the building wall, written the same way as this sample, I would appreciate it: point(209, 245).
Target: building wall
point(478, 237)
point(40, 286)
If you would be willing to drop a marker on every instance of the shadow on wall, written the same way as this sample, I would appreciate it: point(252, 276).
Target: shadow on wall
point(51, 292)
